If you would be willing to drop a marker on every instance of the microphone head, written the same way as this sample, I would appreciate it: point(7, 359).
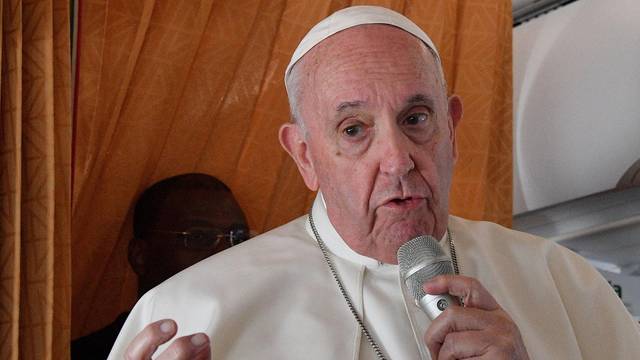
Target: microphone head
point(419, 260)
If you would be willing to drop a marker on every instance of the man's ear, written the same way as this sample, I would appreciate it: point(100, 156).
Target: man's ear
point(293, 141)
point(455, 115)
point(136, 255)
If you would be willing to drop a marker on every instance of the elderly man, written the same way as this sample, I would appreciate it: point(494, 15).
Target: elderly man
point(374, 133)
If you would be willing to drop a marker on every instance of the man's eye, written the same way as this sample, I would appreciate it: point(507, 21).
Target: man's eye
point(416, 119)
point(353, 130)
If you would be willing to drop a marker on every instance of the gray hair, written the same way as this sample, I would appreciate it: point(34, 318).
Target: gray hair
point(294, 93)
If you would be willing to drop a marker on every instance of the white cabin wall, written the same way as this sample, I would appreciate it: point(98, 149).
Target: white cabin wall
point(576, 101)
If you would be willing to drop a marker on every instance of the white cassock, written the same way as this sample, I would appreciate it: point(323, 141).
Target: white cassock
point(273, 297)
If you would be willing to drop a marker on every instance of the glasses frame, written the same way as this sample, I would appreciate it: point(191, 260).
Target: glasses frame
point(232, 234)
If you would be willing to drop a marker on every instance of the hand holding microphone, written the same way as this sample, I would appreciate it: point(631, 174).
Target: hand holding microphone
point(479, 329)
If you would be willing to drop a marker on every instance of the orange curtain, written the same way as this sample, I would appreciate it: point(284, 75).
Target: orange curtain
point(474, 39)
point(168, 87)
point(35, 168)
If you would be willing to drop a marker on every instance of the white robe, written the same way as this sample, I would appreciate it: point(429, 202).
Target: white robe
point(273, 297)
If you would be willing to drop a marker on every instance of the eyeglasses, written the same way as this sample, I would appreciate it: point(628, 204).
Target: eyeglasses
point(199, 238)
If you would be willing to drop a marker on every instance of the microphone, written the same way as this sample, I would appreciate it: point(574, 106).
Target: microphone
point(419, 260)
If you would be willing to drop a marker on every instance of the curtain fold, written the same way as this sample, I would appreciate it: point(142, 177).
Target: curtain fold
point(168, 87)
point(35, 197)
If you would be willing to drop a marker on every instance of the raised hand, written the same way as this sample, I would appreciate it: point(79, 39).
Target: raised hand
point(144, 345)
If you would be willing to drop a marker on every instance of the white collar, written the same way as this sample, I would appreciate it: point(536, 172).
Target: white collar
point(334, 242)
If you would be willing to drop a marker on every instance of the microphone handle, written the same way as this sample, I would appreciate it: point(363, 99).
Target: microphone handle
point(434, 305)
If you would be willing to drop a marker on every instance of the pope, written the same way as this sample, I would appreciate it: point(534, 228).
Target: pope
point(373, 131)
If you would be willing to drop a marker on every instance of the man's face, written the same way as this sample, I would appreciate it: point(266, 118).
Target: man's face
point(380, 138)
point(197, 211)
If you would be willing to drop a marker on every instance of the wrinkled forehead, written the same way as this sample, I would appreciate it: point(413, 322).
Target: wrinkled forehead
point(375, 66)
point(366, 60)
point(351, 17)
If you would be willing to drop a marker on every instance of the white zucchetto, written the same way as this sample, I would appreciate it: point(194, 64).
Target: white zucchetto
point(351, 17)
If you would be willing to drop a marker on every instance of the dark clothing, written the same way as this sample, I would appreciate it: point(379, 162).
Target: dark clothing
point(98, 344)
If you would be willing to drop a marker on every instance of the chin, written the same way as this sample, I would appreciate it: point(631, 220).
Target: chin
point(396, 235)
point(393, 241)
point(407, 231)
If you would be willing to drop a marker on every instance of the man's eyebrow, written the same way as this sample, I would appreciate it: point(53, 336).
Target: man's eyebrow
point(421, 99)
point(348, 105)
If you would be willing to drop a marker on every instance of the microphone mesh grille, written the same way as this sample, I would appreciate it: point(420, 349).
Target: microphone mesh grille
point(419, 260)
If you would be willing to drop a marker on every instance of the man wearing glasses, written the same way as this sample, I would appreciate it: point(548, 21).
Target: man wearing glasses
point(177, 222)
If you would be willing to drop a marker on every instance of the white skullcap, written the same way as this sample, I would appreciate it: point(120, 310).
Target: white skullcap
point(354, 16)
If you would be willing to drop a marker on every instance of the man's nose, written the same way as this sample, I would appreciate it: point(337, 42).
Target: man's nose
point(395, 152)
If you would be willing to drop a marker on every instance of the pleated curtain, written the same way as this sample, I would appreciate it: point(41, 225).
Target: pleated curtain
point(35, 175)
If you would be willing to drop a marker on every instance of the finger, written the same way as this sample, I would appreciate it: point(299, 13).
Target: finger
point(456, 319)
point(463, 345)
point(196, 346)
point(473, 294)
point(148, 340)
